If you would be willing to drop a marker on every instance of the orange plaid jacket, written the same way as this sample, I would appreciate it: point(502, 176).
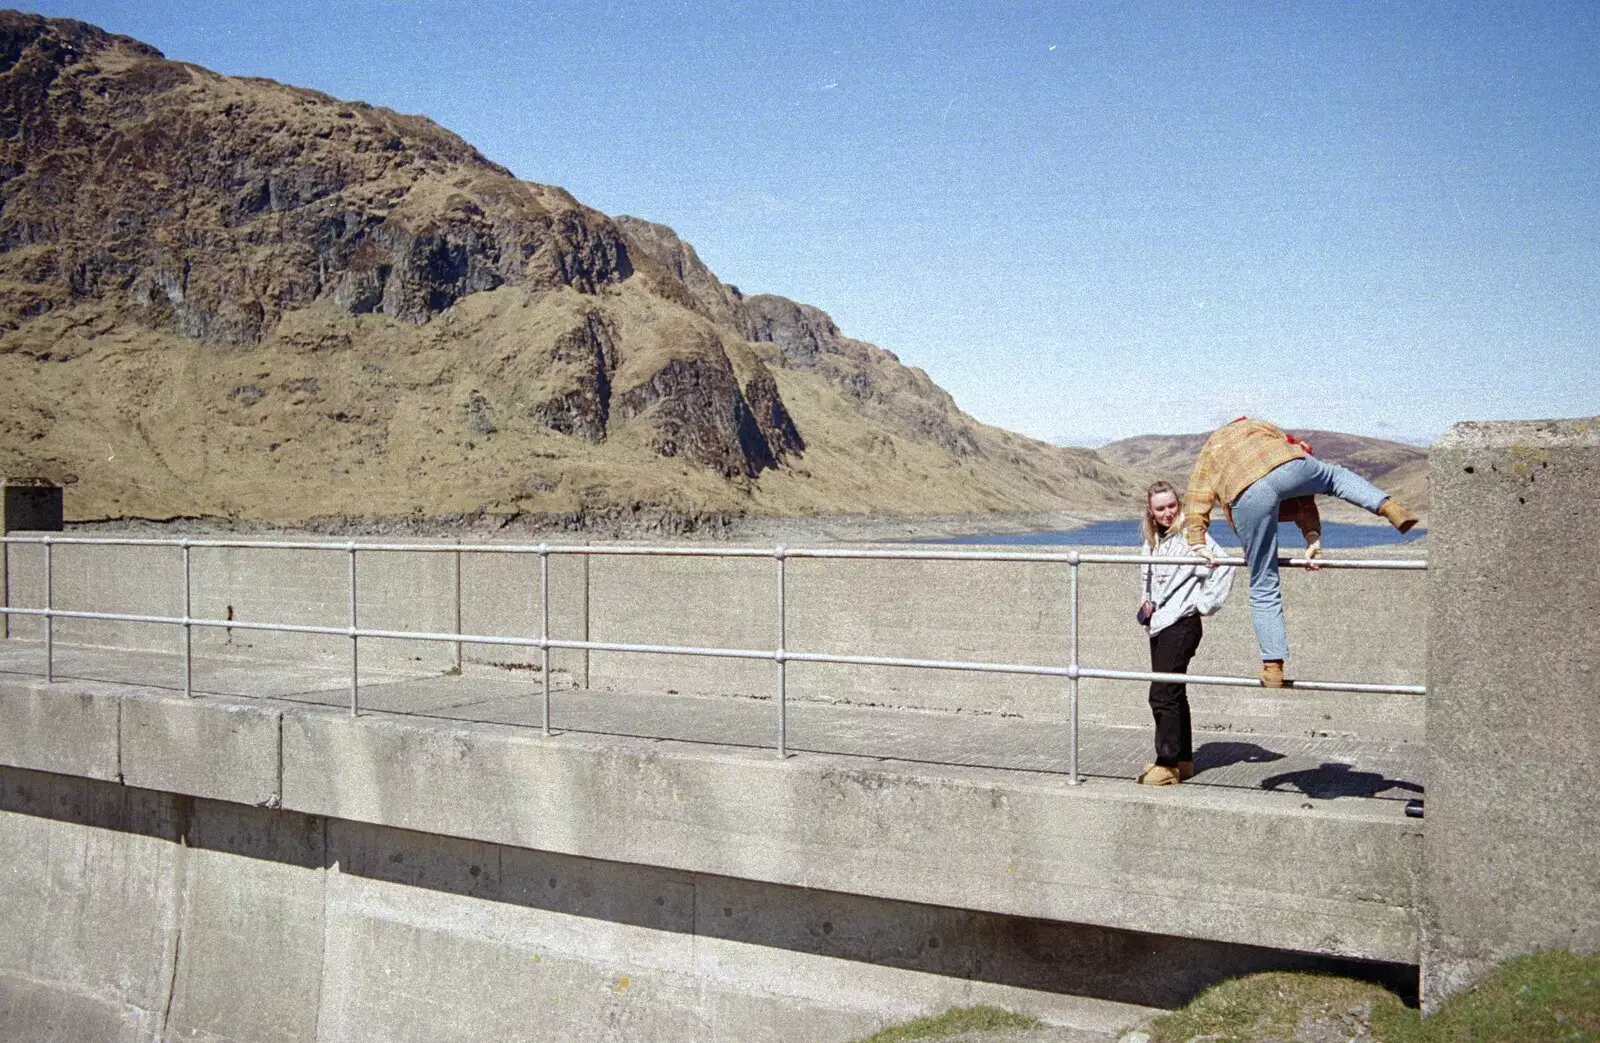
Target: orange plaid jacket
point(1234, 457)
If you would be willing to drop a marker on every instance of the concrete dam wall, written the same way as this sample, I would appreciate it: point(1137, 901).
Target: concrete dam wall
point(254, 863)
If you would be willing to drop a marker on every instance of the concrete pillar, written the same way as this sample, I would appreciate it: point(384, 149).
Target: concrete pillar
point(1512, 843)
point(31, 504)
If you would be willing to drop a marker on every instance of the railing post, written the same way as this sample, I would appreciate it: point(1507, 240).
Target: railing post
point(1072, 677)
point(781, 655)
point(188, 628)
point(49, 612)
point(5, 589)
point(355, 642)
point(544, 629)
point(457, 557)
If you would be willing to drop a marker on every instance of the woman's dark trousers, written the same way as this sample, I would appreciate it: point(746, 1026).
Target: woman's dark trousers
point(1170, 652)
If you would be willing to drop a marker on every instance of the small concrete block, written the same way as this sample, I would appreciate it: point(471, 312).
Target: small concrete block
point(67, 730)
point(202, 747)
point(31, 506)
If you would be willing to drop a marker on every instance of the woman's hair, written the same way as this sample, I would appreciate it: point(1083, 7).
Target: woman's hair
point(1152, 531)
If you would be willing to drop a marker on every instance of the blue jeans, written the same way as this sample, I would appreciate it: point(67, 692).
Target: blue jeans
point(1255, 519)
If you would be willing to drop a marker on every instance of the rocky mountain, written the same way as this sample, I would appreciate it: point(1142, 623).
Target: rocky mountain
point(233, 298)
point(1399, 469)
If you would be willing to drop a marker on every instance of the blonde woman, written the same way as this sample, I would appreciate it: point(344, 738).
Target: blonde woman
point(1176, 596)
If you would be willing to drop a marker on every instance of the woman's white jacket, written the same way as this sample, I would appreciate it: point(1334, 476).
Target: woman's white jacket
point(1178, 590)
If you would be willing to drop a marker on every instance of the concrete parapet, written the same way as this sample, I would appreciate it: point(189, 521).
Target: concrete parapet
point(204, 747)
point(1360, 626)
point(1513, 840)
point(72, 730)
point(432, 592)
point(1243, 868)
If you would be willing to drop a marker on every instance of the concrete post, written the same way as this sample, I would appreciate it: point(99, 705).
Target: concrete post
point(28, 504)
point(1512, 843)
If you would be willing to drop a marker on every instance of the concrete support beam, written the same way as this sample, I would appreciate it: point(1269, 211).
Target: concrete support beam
point(223, 749)
point(72, 729)
point(1261, 869)
point(1513, 840)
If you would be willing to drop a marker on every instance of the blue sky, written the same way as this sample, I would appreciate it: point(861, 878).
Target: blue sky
point(1086, 221)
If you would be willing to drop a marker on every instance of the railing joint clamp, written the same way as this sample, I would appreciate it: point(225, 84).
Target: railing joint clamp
point(1072, 557)
point(780, 656)
point(1073, 673)
point(779, 552)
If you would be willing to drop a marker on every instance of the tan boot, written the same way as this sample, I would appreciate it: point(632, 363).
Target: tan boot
point(1272, 673)
point(1156, 775)
point(1185, 771)
point(1397, 515)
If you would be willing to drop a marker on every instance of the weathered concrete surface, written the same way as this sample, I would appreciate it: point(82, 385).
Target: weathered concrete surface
point(252, 920)
point(1250, 869)
point(174, 918)
point(1205, 861)
point(1249, 740)
point(220, 748)
point(1513, 841)
point(73, 730)
point(88, 924)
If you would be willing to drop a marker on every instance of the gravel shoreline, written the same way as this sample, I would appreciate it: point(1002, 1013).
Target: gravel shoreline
point(643, 526)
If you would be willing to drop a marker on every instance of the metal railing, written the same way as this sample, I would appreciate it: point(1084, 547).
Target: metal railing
point(781, 656)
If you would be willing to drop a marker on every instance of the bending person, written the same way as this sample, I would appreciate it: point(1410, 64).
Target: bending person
point(1175, 597)
point(1259, 475)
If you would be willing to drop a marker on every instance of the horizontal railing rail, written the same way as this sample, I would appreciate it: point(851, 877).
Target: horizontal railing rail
point(781, 655)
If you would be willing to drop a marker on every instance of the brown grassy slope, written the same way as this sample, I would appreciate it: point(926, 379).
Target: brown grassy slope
point(338, 417)
point(234, 298)
point(1399, 469)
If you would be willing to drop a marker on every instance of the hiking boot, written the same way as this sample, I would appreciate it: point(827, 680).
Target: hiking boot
point(1272, 673)
point(1156, 775)
point(1397, 515)
point(1185, 771)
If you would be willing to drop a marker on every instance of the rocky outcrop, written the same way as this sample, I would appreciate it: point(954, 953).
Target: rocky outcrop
point(871, 376)
point(582, 361)
point(706, 294)
point(218, 204)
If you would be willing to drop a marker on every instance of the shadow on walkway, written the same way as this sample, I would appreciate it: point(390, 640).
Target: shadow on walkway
point(1213, 755)
point(1327, 781)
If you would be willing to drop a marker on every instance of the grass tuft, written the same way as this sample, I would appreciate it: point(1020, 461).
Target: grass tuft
point(1548, 997)
point(951, 1022)
point(1551, 996)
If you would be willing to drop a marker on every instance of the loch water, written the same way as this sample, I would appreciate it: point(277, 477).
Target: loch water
point(1335, 535)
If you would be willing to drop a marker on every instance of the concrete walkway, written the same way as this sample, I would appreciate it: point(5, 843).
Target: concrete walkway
point(1320, 767)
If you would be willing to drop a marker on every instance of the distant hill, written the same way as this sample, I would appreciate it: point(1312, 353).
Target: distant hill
point(1399, 469)
point(228, 297)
